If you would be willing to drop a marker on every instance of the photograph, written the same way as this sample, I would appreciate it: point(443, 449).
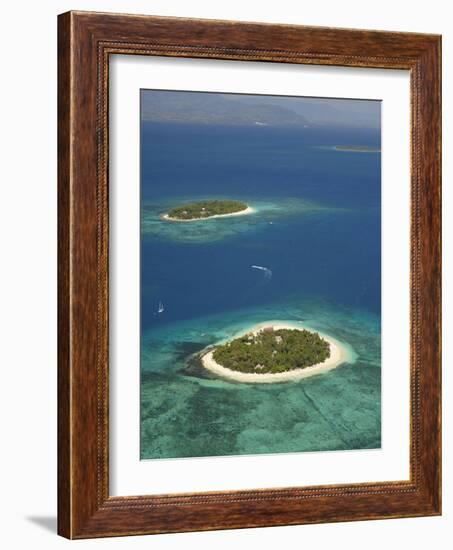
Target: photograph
point(260, 275)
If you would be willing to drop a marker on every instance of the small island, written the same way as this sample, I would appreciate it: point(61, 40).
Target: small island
point(357, 149)
point(274, 353)
point(203, 210)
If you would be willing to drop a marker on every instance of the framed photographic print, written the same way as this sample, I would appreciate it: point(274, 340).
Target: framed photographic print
point(249, 275)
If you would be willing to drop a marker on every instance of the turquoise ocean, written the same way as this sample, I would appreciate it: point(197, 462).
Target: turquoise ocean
point(316, 228)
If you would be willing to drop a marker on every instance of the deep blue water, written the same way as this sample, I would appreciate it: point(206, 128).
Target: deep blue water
point(335, 255)
point(317, 227)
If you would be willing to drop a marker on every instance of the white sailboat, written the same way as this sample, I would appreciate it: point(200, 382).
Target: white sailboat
point(161, 308)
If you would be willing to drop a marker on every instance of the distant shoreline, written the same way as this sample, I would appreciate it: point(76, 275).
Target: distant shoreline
point(248, 210)
point(338, 356)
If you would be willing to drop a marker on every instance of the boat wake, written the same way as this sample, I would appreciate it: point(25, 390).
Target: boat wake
point(267, 272)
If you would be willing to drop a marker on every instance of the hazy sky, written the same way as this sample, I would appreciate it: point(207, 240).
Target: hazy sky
point(212, 108)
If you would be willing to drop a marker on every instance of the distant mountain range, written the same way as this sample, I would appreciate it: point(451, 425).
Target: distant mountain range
point(206, 108)
point(242, 109)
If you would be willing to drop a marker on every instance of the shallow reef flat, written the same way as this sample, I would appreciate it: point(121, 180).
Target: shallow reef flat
point(187, 411)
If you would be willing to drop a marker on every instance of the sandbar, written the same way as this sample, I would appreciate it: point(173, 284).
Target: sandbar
point(356, 149)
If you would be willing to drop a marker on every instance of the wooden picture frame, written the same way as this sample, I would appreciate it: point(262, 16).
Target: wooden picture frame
point(85, 42)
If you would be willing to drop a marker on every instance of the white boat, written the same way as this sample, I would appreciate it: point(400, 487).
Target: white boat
point(161, 308)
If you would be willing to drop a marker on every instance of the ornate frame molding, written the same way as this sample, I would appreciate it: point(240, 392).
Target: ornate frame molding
point(86, 40)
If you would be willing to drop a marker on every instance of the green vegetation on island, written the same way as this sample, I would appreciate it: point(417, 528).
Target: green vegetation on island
point(206, 209)
point(273, 351)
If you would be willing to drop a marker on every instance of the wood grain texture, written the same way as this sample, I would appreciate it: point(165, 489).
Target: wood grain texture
point(86, 40)
point(64, 370)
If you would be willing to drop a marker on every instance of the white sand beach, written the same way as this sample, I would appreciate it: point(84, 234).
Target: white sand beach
point(248, 210)
point(338, 355)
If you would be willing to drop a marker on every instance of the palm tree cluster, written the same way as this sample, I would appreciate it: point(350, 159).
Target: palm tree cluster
point(273, 351)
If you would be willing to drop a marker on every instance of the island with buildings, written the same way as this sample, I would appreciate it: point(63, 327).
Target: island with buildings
point(276, 352)
point(207, 209)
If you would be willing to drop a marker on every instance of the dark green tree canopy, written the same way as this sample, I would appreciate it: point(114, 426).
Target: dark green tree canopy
point(205, 209)
point(273, 351)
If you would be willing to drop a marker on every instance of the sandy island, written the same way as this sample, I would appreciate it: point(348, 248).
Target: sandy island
point(338, 355)
point(248, 210)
